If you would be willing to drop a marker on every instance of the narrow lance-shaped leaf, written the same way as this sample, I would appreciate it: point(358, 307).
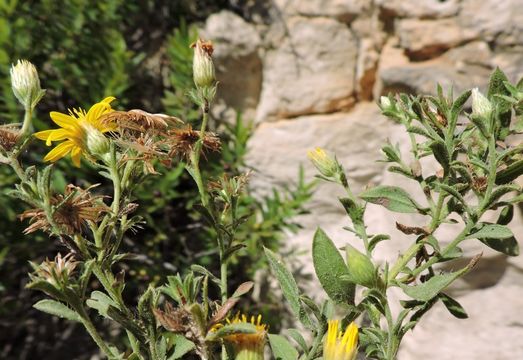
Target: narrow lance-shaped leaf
point(330, 266)
point(288, 286)
point(428, 290)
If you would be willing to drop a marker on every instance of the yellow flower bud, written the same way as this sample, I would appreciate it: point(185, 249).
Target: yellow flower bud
point(326, 165)
point(203, 67)
point(26, 84)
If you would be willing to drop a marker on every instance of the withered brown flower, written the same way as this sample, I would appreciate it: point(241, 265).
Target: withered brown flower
point(9, 135)
point(72, 210)
point(182, 141)
point(55, 271)
point(141, 121)
point(177, 320)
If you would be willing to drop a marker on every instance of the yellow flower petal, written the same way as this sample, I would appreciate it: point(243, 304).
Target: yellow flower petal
point(76, 155)
point(43, 135)
point(59, 151)
point(63, 120)
point(96, 111)
point(108, 99)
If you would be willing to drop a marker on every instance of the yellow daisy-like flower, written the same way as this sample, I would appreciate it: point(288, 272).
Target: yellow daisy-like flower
point(80, 130)
point(248, 346)
point(338, 345)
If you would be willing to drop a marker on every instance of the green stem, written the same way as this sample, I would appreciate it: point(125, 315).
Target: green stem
point(15, 164)
point(391, 343)
point(195, 158)
point(404, 260)
point(461, 236)
point(317, 343)
point(223, 279)
point(113, 168)
point(95, 335)
point(27, 125)
point(152, 349)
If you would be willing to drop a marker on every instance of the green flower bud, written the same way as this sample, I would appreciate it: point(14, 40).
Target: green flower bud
point(361, 269)
point(326, 165)
point(385, 102)
point(481, 106)
point(97, 143)
point(26, 84)
point(203, 67)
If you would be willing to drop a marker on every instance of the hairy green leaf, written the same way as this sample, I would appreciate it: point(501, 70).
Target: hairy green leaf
point(281, 348)
point(391, 197)
point(329, 266)
point(432, 287)
point(288, 286)
point(56, 308)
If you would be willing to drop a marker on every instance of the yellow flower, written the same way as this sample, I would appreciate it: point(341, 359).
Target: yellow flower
point(248, 346)
point(338, 345)
point(81, 130)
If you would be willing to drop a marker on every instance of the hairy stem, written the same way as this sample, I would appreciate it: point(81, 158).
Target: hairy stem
point(94, 334)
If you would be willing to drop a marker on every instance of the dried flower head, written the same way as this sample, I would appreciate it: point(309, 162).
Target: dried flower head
point(183, 140)
point(57, 272)
point(140, 121)
point(9, 135)
point(177, 320)
point(72, 210)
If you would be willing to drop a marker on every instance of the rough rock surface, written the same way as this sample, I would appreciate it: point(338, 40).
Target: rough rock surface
point(310, 72)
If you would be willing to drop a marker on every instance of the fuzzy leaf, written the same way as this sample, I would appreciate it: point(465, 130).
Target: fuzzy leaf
point(392, 197)
point(512, 172)
point(441, 154)
point(431, 288)
point(453, 306)
point(288, 286)
point(298, 337)
point(56, 308)
point(281, 348)
point(458, 105)
point(329, 266)
point(101, 302)
point(181, 347)
point(491, 231)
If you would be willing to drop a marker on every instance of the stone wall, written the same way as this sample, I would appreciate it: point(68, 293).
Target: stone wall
point(309, 71)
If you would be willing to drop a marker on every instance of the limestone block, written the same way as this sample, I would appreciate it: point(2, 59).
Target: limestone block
point(311, 71)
